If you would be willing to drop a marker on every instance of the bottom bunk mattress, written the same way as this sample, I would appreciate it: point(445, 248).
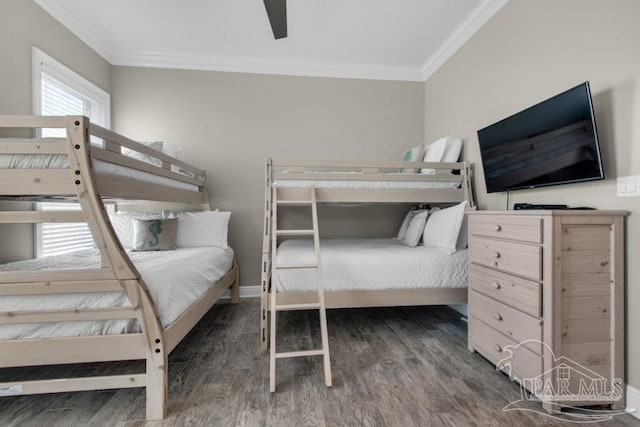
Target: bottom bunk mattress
point(370, 264)
point(175, 279)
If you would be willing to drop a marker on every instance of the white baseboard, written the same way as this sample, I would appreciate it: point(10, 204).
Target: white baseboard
point(633, 401)
point(461, 308)
point(245, 292)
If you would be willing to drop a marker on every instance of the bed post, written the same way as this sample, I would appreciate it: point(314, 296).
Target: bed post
point(206, 206)
point(468, 189)
point(120, 265)
point(92, 207)
point(266, 257)
point(156, 358)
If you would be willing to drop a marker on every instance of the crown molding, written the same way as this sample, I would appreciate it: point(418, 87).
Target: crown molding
point(265, 66)
point(463, 32)
point(77, 26)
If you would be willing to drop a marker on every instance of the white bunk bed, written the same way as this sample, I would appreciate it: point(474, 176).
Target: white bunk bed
point(357, 273)
point(106, 304)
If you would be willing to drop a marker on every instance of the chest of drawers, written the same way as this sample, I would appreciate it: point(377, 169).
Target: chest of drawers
point(546, 295)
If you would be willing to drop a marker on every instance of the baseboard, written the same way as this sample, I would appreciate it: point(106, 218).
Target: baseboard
point(461, 308)
point(633, 401)
point(245, 292)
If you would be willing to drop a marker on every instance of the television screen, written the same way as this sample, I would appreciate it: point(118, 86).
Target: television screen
point(553, 142)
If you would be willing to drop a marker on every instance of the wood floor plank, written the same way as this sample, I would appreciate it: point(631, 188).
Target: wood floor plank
point(404, 366)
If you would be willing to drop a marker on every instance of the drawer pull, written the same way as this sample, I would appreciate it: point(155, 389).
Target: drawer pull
point(498, 348)
point(496, 285)
point(497, 316)
point(497, 227)
point(496, 254)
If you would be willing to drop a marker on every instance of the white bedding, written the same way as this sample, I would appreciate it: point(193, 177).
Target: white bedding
point(370, 264)
point(61, 161)
point(175, 280)
point(301, 183)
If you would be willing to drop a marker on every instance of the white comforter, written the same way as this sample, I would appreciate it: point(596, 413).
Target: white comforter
point(176, 279)
point(370, 264)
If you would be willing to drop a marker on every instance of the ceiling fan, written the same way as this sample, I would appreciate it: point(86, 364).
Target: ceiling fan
point(277, 13)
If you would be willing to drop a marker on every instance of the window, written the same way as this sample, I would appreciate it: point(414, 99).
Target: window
point(58, 91)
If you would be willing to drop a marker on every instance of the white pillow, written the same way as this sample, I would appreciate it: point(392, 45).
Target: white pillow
point(208, 228)
point(413, 154)
point(172, 150)
point(452, 150)
point(463, 236)
point(156, 145)
point(405, 223)
point(443, 228)
point(434, 153)
point(415, 228)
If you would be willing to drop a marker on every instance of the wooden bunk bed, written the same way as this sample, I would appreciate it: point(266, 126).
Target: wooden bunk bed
point(168, 180)
point(335, 182)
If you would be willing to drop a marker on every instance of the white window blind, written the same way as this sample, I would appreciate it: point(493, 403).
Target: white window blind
point(62, 238)
point(58, 91)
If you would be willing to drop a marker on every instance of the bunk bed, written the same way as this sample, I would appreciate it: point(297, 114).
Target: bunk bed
point(93, 166)
point(370, 183)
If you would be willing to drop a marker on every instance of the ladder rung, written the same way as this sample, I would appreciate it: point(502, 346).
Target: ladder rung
point(305, 306)
point(294, 202)
point(294, 232)
point(294, 266)
point(303, 353)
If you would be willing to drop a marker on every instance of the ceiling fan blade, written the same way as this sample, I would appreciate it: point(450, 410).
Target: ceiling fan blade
point(277, 12)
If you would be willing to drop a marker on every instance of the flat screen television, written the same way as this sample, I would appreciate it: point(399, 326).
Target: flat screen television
point(553, 142)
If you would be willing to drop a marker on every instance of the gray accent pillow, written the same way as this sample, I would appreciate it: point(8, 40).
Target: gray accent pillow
point(154, 234)
point(415, 229)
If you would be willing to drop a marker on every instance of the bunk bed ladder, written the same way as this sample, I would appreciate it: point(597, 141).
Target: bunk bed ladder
point(319, 305)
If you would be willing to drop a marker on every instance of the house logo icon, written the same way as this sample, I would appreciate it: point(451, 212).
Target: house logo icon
point(565, 383)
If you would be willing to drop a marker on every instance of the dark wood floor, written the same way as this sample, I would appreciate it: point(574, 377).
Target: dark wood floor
point(391, 367)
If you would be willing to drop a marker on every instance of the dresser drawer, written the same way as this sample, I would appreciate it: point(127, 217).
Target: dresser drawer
point(519, 258)
point(514, 291)
point(506, 320)
point(525, 229)
point(497, 348)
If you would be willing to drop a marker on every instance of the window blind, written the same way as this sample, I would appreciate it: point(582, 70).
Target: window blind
point(62, 238)
point(63, 92)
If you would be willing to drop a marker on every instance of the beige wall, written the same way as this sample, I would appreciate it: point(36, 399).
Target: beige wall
point(23, 24)
point(535, 49)
point(227, 123)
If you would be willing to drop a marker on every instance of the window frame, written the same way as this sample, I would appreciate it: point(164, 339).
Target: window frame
point(43, 63)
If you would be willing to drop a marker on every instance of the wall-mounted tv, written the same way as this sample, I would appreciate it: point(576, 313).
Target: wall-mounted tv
point(553, 142)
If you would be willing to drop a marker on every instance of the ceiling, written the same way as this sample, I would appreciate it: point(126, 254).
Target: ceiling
point(369, 39)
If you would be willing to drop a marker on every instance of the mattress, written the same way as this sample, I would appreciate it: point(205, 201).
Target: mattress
point(101, 167)
point(321, 183)
point(370, 264)
point(175, 279)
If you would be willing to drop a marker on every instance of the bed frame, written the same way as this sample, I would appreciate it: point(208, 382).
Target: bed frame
point(357, 171)
point(80, 183)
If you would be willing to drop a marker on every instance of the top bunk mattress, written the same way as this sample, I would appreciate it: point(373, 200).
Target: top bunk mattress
point(101, 167)
point(370, 264)
point(175, 279)
point(365, 184)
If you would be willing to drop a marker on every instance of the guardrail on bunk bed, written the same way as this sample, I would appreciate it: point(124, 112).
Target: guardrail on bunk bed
point(360, 182)
point(81, 182)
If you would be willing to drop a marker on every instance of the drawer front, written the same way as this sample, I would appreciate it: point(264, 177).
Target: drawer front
point(525, 295)
point(503, 352)
point(525, 229)
point(518, 258)
point(514, 324)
